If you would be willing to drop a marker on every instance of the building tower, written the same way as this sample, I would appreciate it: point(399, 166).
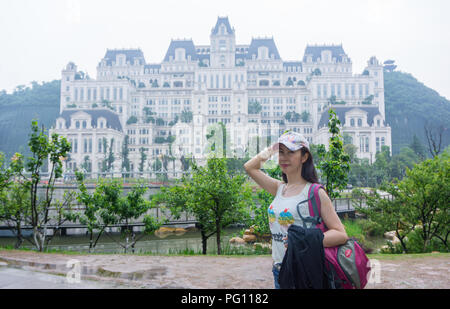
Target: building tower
point(223, 44)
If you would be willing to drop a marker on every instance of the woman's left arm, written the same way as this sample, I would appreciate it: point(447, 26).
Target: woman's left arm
point(336, 234)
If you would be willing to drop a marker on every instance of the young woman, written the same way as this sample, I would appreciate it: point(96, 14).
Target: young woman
point(298, 174)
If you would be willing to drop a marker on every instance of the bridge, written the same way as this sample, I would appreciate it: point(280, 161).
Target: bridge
point(343, 208)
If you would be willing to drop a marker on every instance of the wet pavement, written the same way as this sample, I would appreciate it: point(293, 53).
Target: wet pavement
point(20, 278)
point(27, 269)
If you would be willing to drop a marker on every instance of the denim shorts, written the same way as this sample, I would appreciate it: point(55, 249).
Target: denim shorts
point(276, 273)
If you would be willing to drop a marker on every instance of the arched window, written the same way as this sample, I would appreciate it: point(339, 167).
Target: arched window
point(84, 124)
point(359, 122)
point(352, 122)
point(77, 124)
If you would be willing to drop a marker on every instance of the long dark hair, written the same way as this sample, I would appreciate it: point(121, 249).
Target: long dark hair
point(308, 169)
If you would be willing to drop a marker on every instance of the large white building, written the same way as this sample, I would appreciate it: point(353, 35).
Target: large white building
point(247, 87)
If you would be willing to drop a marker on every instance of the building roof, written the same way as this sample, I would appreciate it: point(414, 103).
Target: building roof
point(112, 119)
point(130, 54)
point(188, 46)
point(257, 43)
point(225, 21)
point(315, 51)
point(371, 111)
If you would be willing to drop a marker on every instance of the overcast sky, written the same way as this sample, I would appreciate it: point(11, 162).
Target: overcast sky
point(39, 37)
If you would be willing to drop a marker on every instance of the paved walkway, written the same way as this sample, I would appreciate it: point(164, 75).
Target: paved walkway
point(18, 278)
point(210, 272)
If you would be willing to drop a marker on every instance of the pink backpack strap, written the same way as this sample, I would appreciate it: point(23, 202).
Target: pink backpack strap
point(314, 205)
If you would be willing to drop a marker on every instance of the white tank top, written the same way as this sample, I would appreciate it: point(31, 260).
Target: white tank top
point(283, 213)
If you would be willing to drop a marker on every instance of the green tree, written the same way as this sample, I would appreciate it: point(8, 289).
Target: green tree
point(186, 116)
point(93, 216)
point(107, 206)
point(254, 107)
point(334, 164)
point(129, 208)
point(420, 202)
point(43, 150)
point(125, 152)
point(15, 209)
point(351, 150)
point(132, 120)
point(143, 158)
point(305, 116)
point(86, 165)
point(401, 162)
point(215, 198)
point(380, 169)
point(418, 148)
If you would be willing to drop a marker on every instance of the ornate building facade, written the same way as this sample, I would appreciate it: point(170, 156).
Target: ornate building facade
point(168, 108)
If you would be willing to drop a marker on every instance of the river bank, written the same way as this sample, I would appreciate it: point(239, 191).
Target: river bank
point(427, 271)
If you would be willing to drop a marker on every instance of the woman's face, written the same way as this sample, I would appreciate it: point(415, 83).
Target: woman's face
point(290, 161)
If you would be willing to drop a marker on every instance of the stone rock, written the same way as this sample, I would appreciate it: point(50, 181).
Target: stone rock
point(248, 232)
point(249, 238)
point(237, 240)
point(260, 245)
point(395, 240)
point(180, 230)
point(163, 231)
point(390, 235)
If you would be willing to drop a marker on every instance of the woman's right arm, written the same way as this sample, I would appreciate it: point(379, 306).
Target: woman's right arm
point(253, 169)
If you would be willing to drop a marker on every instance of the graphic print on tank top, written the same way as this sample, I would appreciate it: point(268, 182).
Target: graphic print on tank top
point(282, 213)
point(285, 219)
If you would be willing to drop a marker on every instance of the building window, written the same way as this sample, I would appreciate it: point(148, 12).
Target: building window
point(359, 122)
point(77, 124)
point(352, 122)
point(84, 124)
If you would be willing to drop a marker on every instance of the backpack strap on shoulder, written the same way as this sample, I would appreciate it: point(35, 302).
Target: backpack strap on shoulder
point(314, 203)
